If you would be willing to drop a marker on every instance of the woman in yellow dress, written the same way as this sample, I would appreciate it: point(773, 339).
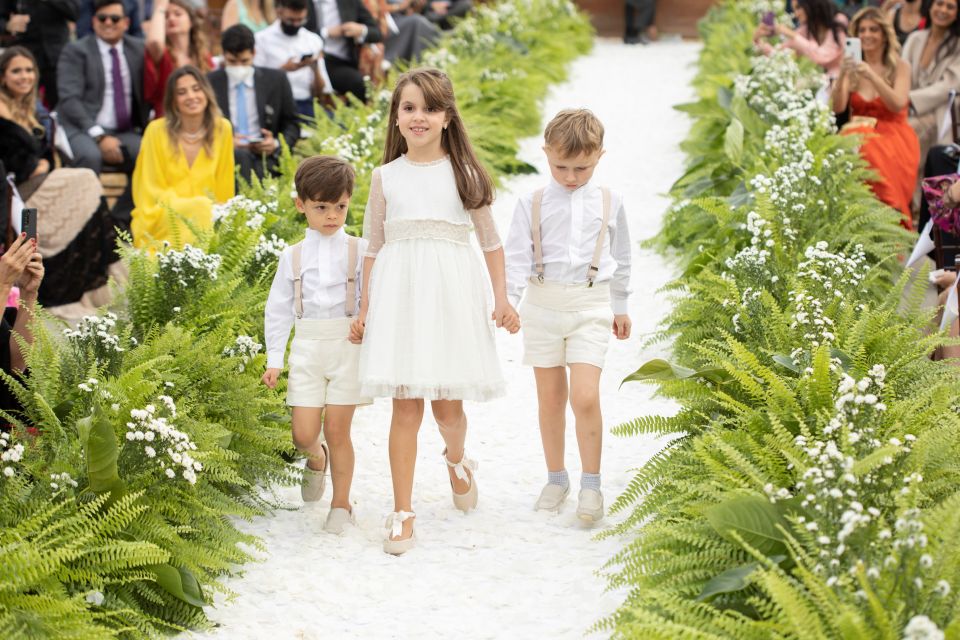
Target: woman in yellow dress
point(185, 164)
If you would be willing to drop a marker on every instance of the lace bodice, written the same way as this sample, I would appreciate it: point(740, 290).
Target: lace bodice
point(421, 192)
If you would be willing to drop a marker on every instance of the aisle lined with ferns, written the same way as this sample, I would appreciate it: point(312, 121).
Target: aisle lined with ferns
point(814, 491)
point(146, 434)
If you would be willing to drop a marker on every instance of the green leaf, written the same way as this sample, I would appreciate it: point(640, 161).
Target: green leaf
point(659, 370)
point(733, 141)
point(100, 446)
point(733, 580)
point(786, 362)
point(179, 583)
point(754, 519)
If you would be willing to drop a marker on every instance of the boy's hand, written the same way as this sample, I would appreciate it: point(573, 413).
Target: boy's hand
point(357, 328)
point(270, 378)
point(506, 316)
point(621, 326)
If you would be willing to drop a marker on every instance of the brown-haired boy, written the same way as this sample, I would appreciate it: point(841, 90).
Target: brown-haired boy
point(316, 288)
point(570, 243)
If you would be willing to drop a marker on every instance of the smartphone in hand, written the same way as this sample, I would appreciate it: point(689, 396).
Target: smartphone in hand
point(28, 223)
point(768, 18)
point(853, 49)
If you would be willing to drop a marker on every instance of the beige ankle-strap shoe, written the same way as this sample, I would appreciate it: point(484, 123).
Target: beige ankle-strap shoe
point(337, 519)
point(552, 497)
point(314, 482)
point(395, 529)
point(464, 501)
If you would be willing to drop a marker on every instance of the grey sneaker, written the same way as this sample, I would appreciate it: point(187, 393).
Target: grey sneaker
point(337, 519)
point(590, 507)
point(552, 497)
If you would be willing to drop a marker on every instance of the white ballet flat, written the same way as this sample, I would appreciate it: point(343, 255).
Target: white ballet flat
point(394, 526)
point(464, 501)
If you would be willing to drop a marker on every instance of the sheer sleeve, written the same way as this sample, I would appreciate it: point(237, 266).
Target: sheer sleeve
point(486, 229)
point(374, 216)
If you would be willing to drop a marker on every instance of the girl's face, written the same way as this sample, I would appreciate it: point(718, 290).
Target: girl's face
point(801, 15)
point(20, 77)
point(178, 20)
point(191, 100)
point(872, 37)
point(421, 126)
point(943, 13)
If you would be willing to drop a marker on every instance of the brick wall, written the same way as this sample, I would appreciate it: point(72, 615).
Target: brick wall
point(673, 16)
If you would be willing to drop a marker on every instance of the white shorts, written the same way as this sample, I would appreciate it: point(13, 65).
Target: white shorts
point(324, 365)
point(566, 324)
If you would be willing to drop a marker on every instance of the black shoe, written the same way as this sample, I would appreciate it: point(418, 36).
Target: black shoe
point(631, 40)
point(644, 39)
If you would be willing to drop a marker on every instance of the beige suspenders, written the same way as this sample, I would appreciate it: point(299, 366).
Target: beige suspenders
point(594, 268)
point(350, 303)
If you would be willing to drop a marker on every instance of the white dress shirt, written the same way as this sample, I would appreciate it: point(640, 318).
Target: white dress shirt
point(323, 268)
point(107, 117)
point(328, 14)
point(253, 118)
point(275, 48)
point(569, 225)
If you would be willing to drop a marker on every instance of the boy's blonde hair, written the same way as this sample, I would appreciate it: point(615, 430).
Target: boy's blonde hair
point(574, 131)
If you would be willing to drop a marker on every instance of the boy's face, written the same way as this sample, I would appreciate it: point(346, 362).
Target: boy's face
point(572, 172)
point(325, 217)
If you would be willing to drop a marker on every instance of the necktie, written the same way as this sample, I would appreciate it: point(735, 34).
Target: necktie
point(119, 96)
point(241, 123)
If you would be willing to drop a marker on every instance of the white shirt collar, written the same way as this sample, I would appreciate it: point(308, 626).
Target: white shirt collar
point(248, 83)
point(315, 236)
point(560, 189)
point(105, 48)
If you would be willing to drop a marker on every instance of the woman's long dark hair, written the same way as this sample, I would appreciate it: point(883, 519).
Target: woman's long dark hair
point(23, 110)
point(822, 19)
point(171, 111)
point(949, 45)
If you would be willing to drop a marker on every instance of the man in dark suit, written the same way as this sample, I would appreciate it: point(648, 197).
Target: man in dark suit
point(344, 25)
point(42, 26)
point(258, 102)
point(102, 109)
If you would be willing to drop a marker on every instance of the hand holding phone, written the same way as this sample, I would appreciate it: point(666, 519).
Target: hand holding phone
point(768, 18)
point(28, 223)
point(853, 50)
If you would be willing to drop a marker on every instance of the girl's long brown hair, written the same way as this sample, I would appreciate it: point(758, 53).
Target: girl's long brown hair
point(474, 184)
point(891, 50)
point(171, 113)
point(23, 110)
point(199, 50)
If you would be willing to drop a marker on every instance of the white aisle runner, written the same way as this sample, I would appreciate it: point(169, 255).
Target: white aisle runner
point(504, 571)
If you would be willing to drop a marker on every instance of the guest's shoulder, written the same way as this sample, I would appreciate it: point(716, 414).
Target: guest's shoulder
point(224, 127)
point(916, 39)
point(155, 127)
point(133, 43)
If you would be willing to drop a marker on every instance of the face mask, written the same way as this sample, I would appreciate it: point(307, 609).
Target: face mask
point(289, 29)
point(239, 74)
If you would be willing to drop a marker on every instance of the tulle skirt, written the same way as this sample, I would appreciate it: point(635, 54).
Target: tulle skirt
point(428, 332)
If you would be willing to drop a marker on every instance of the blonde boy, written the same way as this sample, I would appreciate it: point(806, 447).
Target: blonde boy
point(569, 247)
point(316, 289)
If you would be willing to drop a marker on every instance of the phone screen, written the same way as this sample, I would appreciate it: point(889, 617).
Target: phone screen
point(305, 57)
point(768, 18)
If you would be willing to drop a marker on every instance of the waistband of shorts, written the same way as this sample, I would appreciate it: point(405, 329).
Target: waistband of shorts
point(325, 329)
point(431, 229)
point(568, 297)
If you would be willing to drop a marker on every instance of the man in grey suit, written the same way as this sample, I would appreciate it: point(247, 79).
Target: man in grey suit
point(102, 111)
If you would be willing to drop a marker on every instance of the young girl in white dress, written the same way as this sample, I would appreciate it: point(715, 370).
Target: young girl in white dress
point(424, 313)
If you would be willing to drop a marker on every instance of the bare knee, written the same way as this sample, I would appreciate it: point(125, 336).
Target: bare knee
point(407, 414)
point(303, 441)
point(447, 416)
point(585, 402)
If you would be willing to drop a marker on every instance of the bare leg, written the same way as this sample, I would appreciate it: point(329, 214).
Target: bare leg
point(453, 429)
point(404, 426)
point(552, 399)
point(307, 424)
point(337, 428)
point(585, 400)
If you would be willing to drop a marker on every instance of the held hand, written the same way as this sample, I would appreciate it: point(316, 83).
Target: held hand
point(505, 316)
point(32, 277)
point(622, 326)
point(269, 144)
point(270, 378)
point(110, 150)
point(15, 260)
point(357, 328)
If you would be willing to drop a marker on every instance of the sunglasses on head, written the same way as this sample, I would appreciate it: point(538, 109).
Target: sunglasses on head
point(103, 17)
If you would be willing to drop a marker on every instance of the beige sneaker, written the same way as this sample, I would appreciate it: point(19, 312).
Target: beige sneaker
point(337, 519)
point(464, 501)
point(395, 529)
point(590, 506)
point(314, 482)
point(552, 497)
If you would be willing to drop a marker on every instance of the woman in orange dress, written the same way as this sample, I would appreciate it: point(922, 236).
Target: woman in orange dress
point(877, 91)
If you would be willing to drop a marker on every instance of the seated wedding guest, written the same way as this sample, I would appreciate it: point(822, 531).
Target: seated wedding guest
point(819, 36)
point(414, 33)
point(43, 27)
point(255, 14)
point(185, 164)
point(934, 57)
point(440, 12)
point(257, 101)
point(289, 46)
point(131, 8)
point(21, 265)
point(102, 109)
point(876, 92)
point(906, 18)
point(345, 26)
point(175, 37)
point(76, 233)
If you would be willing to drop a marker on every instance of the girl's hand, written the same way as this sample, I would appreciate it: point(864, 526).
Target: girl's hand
point(952, 195)
point(762, 31)
point(622, 326)
point(866, 71)
point(505, 316)
point(848, 66)
point(270, 378)
point(357, 327)
point(32, 276)
point(15, 260)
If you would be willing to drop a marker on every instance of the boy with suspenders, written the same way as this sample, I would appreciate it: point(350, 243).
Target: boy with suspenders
point(569, 247)
point(316, 290)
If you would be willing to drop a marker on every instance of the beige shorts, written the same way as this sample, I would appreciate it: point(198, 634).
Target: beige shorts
point(566, 324)
point(324, 365)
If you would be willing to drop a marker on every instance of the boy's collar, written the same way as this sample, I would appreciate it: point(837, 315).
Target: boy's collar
point(317, 235)
point(562, 189)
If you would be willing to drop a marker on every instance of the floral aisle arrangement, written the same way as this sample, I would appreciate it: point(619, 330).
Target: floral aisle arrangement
point(146, 434)
point(810, 485)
